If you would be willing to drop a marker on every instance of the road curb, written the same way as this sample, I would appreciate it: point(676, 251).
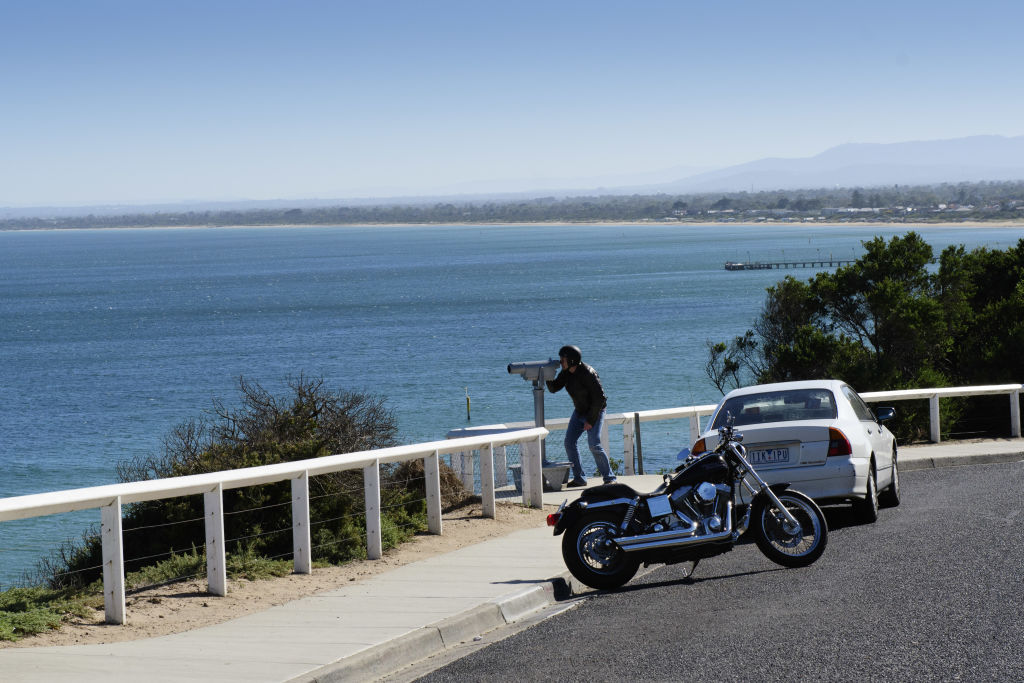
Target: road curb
point(385, 658)
point(958, 460)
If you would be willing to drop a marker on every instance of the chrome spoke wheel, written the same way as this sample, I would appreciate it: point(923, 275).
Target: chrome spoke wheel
point(596, 548)
point(784, 536)
point(592, 555)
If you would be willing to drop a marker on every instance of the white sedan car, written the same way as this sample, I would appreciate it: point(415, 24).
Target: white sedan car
point(817, 435)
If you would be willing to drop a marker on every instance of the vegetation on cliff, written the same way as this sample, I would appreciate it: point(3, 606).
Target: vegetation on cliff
point(893, 320)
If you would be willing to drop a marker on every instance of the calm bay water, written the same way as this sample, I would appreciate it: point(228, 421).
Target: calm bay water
point(110, 338)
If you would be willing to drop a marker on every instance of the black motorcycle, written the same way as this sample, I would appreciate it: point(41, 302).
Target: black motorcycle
point(699, 511)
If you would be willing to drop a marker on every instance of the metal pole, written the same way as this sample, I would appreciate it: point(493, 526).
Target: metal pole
point(538, 415)
point(1015, 414)
point(628, 454)
point(639, 443)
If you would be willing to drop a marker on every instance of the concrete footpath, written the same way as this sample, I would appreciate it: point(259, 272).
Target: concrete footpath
point(376, 626)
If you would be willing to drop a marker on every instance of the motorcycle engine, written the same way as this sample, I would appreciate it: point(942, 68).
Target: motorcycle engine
point(707, 503)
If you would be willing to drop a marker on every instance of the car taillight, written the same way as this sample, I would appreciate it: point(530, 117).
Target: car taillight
point(838, 444)
point(699, 447)
point(553, 518)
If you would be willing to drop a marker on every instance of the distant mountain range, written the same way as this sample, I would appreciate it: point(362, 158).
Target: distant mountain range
point(970, 159)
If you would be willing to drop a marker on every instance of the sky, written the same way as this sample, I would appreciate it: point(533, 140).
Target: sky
point(135, 101)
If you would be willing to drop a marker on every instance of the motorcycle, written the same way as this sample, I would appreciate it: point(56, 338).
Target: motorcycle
point(697, 512)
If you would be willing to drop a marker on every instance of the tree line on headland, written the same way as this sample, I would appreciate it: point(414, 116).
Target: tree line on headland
point(944, 203)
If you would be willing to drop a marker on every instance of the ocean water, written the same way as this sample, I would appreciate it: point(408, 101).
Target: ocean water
point(110, 338)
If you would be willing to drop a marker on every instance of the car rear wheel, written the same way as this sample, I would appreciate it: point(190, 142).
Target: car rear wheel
point(890, 497)
point(867, 509)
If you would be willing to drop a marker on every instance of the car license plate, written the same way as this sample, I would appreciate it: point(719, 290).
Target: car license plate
point(769, 456)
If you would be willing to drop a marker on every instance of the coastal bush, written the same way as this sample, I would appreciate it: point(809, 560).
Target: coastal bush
point(891, 320)
point(26, 611)
point(308, 422)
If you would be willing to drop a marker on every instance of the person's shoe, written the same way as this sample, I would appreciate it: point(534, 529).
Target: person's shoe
point(576, 483)
point(611, 480)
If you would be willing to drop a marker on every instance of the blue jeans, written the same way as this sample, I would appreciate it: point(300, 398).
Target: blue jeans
point(572, 435)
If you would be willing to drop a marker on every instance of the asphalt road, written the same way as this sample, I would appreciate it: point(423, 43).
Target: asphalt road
point(934, 591)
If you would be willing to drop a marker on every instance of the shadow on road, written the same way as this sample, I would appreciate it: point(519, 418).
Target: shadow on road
point(841, 517)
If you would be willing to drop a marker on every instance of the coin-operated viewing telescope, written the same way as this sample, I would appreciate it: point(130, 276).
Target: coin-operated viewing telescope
point(535, 370)
point(538, 372)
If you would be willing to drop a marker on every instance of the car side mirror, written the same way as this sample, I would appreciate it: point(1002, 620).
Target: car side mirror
point(883, 414)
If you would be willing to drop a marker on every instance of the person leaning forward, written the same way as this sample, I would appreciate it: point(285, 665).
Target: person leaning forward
point(589, 403)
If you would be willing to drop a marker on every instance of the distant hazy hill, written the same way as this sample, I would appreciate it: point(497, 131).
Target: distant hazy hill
point(971, 159)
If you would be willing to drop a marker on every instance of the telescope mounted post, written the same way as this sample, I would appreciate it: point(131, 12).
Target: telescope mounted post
point(538, 372)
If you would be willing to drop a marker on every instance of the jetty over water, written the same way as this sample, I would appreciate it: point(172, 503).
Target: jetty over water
point(780, 265)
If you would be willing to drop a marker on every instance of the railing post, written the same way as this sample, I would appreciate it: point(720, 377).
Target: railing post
point(432, 481)
point(533, 474)
point(501, 466)
point(466, 470)
point(371, 496)
point(639, 437)
point(694, 428)
point(302, 542)
point(627, 446)
point(216, 553)
point(1015, 413)
point(933, 409)
point(487, 480)
point(113, 562)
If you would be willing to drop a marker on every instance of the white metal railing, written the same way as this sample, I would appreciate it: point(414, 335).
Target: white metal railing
point(110, 498)
point(626, 420)
point(933, 396)
point(694, 413)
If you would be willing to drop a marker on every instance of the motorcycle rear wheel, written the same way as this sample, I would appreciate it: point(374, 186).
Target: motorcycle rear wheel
point(591, 554)
point(784, 545)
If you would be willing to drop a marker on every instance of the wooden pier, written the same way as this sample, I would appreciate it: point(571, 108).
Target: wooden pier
point(780, 265)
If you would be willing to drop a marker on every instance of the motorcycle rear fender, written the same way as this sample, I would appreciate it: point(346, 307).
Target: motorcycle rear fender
point(578, 508)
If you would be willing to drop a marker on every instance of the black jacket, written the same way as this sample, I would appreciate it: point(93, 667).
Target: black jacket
point(584, 387)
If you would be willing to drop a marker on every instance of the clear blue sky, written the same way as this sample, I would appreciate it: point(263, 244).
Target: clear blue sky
point(138, 101)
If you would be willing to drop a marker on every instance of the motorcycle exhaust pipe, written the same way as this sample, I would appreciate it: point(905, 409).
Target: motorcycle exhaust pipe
point(675, 537)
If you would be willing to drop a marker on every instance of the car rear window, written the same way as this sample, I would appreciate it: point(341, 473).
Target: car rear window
point(779, 406)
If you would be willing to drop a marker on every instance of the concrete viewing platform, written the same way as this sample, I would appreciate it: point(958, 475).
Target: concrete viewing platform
point(379, 625)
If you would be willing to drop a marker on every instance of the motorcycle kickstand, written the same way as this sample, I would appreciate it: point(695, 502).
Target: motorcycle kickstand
point(688, 568)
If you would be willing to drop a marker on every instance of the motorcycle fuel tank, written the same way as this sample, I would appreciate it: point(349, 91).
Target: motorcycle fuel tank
point(711, 468)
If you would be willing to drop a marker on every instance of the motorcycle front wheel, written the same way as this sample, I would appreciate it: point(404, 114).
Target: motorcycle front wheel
point(779, 540)
point(592, 555)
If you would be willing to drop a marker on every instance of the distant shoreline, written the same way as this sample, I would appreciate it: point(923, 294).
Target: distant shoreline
point(679, 224)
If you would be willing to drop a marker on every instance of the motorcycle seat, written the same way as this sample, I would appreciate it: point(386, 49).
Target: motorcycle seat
point(606, 491)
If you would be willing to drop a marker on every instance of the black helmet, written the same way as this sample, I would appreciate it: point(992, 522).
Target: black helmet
point(571, 354)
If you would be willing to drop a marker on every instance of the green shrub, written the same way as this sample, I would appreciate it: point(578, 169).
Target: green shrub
point(307, 423)
point(27, 611)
